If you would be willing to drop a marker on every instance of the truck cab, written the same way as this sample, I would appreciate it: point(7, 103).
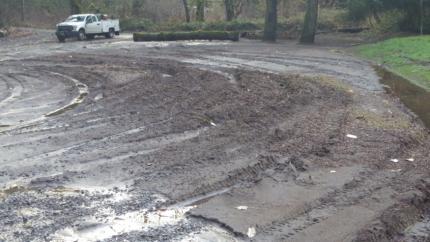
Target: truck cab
point(87, 26)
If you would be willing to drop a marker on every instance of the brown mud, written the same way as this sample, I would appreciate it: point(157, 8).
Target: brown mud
point(204, 141)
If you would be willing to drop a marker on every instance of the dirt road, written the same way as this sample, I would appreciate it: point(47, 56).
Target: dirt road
point(110, 140)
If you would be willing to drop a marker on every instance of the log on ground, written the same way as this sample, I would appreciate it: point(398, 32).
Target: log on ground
point(197, 35)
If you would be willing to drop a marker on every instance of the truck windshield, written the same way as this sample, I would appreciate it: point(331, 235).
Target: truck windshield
point(75, 19)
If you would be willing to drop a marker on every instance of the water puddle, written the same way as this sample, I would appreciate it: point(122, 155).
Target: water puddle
point(94, 230)
point(210, 233)
point(107, 224)
point(419, 231)
point(415, 98)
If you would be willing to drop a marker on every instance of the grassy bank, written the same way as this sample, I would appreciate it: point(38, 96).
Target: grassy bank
point(408, 56)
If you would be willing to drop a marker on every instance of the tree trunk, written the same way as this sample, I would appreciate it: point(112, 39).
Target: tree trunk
point(271, 22)
point(23, 11)
point(187, 11)
point(310, 24)
point(422, 17)
point(200, 12)
point(229, 10)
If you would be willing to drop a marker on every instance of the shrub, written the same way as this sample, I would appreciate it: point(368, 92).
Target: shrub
point(231, 26)
point(390, 22)
point(236, 25)
point(192, 26)
point(328, 19)
point(358, 9)
point(133, 24)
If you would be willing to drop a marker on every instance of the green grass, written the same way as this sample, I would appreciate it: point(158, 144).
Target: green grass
point(407, 56)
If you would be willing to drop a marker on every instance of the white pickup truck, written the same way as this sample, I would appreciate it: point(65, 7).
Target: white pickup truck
point(87, 26)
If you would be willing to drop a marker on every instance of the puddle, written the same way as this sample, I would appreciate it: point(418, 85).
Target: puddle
point(106, 223)
point(419, 231)
point(415, 98)
point(94, 230)
point(210, 233)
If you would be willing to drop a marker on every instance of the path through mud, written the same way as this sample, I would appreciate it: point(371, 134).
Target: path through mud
point(110, 140)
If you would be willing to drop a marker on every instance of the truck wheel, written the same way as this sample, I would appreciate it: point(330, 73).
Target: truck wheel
point(61, 39)
point(81, 35)
point(111, 34)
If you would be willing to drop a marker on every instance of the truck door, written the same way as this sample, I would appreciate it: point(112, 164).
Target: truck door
point(93, 26)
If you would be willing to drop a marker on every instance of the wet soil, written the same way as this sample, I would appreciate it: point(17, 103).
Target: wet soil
point(110, 140)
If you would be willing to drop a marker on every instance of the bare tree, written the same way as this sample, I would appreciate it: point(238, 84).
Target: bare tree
point(310, 24)
point(422, 17)
point(229, 9)
point(137, 8)
point(200, 11)
point(271, 21)
point(233, 8)
point(187, 11)
point(23, 11)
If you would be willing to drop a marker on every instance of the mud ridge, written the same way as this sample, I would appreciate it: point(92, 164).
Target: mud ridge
point(249, 174)
point(393, 221)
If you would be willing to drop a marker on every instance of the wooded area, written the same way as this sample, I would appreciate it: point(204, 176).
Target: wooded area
point(382, 15)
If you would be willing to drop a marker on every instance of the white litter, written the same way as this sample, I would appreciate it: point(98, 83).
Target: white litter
point(397, 170)
point(251, 232)
point(213, 124)
point(351, 136)
point(395, 160)
point(242, 207)
point(333, 171)
point(411, 159)
point(99, 97)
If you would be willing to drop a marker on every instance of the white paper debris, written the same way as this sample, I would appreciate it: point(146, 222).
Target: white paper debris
point(213, 124)
point(411, 159)
point(98, 97)
point(333, 171)
point(395, 160)
point(251, 232)
point(242, 207)
point(351, 136)
point(397, 170)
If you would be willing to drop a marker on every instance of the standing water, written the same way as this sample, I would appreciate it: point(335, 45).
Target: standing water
point(414, 97)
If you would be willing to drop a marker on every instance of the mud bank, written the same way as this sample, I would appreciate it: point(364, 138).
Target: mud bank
point(194, 141)
point(414, 97)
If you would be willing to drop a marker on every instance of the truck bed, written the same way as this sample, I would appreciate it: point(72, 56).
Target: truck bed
point(110, 23)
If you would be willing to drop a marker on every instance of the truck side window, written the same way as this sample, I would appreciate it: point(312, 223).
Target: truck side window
point(89, 20)
point(94, 19)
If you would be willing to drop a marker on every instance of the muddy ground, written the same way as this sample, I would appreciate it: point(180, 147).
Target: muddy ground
point(110, 140)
